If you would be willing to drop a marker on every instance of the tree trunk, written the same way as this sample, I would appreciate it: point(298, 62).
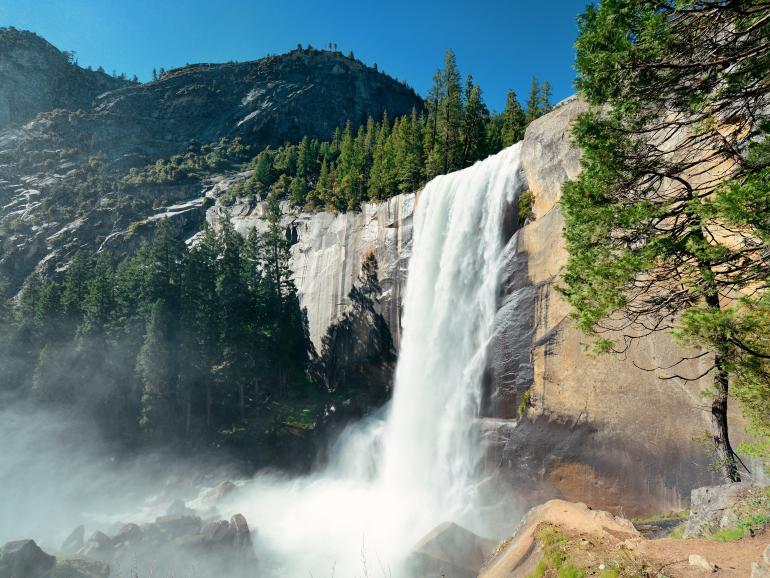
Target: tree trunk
point(724, 451)
point(719, 428)
point(242, 400)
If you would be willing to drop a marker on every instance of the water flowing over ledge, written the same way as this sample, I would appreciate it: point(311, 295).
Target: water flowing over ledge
point(396, 476)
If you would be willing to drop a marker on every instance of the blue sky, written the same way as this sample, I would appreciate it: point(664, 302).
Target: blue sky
point(502, 43)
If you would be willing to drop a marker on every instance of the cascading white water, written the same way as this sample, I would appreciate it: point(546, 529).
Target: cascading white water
point(393, 480)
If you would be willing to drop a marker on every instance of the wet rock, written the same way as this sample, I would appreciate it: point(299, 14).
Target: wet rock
point(74, 541)
point(25, 559)
point(449, 550)
point(171, 527)
point(80, 568)
point(128, 534)
point(97, 546)
point(217, 534)
point(242, 532)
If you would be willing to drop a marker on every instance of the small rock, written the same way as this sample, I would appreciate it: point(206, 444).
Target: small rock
point(24, 558)
point(79, 568)
point(760, 570)
point(700, 562)
point(75, 540)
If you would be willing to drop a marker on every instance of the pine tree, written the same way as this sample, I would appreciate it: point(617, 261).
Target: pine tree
point(646, 222)
point(514, 121)
point(534, 102)
point(100, 304)
point(408, 152)
point(451, 115)
point(263, 170)
point(545, 97)
point(233, 297)
point(201, 329)
point(475, 118)
point(158, 375)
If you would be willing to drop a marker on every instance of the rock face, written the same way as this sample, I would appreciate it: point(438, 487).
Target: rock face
point(36, 77)
point(598, 429)
point(448, 550)
point(25, 558)
point(713, 508)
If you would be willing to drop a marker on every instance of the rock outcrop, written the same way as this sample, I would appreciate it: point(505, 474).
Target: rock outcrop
point(713, 508)
point(519, 555)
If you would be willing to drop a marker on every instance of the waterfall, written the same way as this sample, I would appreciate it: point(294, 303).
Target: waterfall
point(394, 477)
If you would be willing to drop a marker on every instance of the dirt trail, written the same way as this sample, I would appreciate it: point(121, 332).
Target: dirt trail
point(733, 559)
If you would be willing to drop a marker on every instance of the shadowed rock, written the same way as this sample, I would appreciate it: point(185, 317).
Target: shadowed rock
point(449, 550)
point(25, 559)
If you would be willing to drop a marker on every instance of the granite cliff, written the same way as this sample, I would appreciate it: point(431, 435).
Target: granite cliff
point(601, 430)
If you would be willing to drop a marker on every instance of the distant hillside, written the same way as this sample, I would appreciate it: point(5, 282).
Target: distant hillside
point(36, 77)
point(60, 174)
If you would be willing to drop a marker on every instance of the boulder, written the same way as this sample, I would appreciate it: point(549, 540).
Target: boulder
point(242, 532)
point(25, 559)
point(74, 541)
point(699, 561)
point(217, 535)
point(80, 568)
point(712, 507)
point(449, 550)
point(129, 534)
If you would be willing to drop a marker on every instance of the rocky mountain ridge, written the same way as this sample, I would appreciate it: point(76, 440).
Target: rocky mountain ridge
point(36, 77)
point(61, 174)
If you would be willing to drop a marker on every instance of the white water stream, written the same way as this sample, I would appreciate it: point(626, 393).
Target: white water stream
point(396, 477)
